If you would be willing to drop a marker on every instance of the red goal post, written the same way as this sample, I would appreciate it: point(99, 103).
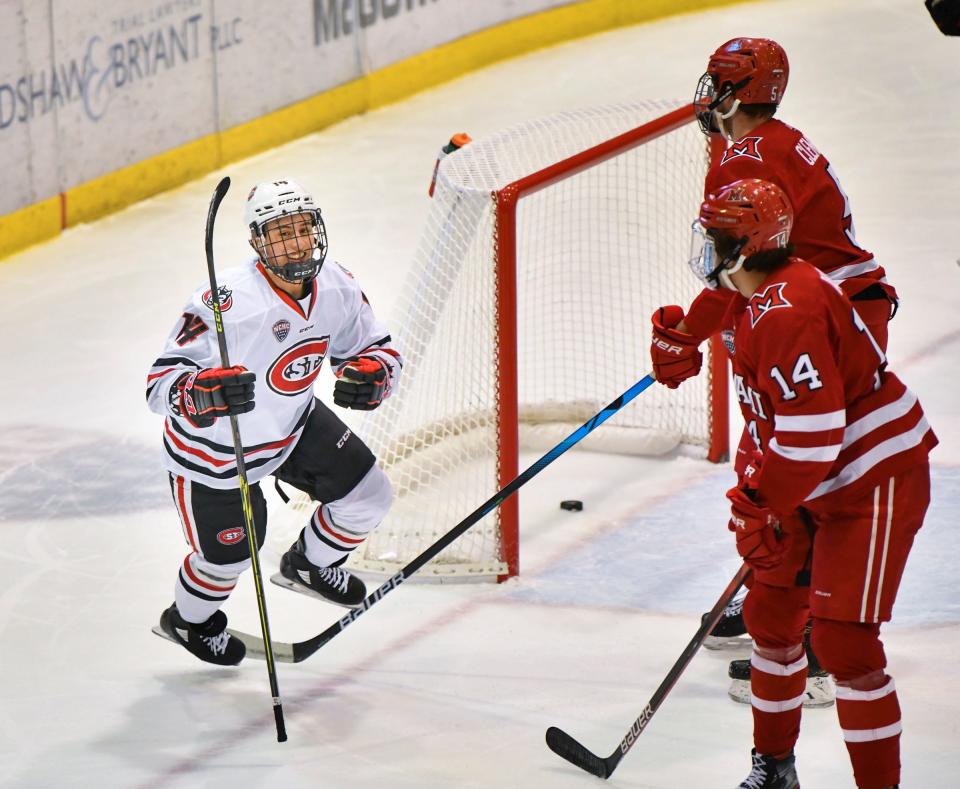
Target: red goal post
point(506, 200)
point(526, 309)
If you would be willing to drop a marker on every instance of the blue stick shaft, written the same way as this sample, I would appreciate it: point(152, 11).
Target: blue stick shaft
point(304, 649)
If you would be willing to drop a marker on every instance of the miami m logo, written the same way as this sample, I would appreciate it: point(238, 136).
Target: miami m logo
point(748, 146)
point(768, 299)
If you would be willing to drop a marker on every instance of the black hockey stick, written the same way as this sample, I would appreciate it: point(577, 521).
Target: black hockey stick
point(267, 647)
point(301, 650)
point(564, 745)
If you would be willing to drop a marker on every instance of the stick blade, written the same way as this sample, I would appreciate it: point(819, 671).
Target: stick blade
point(568, 748)
point(282, 653)
point(220, 192)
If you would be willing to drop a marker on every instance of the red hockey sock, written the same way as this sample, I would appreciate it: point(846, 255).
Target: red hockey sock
point(777, 682)
point(870, 720)
point(867, 704)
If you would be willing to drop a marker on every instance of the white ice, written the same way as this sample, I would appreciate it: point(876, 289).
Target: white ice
point(454, 686)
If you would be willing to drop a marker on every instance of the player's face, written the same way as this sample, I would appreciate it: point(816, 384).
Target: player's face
point(289, 239)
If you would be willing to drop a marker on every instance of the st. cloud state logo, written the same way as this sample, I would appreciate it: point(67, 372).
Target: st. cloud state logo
point(295, 370)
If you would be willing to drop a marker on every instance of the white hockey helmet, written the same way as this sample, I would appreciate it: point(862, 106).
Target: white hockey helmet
point(273, 200)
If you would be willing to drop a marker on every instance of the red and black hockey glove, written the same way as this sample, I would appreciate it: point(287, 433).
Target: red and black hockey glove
point(214, 392)
point(757, 527)
point(675, 354)
point(362, 383)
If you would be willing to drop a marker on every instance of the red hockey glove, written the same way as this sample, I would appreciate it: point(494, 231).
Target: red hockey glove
point(674, 353)
point(757, 529)
point(213, 392)
point(362, 383)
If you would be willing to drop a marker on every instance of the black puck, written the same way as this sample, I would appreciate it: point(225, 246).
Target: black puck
point(572, 505)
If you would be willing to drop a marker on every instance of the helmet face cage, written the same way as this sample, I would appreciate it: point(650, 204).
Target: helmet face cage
point(287, 251)
point(706, 261)
point(704, 105)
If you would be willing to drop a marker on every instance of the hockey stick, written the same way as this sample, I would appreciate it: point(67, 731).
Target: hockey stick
point(267, 649)
point(564, 745)
point(301, 650)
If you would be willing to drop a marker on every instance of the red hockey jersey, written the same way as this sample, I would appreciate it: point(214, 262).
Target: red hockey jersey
point(823, 232)
point(831, 420)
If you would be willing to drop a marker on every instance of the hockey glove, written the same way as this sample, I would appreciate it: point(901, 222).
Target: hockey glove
point(213, 392)
point(362, 383)
point(674, 353)
point(757, 529)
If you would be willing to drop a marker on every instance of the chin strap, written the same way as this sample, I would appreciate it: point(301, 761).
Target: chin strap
point(724, 275)
point(725, 116)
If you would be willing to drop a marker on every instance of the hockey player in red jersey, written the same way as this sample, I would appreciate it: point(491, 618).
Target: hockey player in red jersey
point(737, 97)
point(283, 313)
point(827, 509)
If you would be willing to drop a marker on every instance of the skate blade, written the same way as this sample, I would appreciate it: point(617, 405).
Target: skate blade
point(163, 634)
point(286, 583)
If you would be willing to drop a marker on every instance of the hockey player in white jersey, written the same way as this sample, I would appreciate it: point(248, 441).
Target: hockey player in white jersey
point(283, 313)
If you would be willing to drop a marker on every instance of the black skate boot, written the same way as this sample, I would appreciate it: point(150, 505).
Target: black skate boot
point(768, 772)
point(730, 630)
point(333, 584)
point(208, 640)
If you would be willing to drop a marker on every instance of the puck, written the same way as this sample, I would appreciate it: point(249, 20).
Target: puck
point(572, 505)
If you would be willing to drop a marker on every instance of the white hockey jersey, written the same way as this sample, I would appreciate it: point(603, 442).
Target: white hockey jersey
point(284, 342)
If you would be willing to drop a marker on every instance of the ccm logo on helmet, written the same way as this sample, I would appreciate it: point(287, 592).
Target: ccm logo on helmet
point(230, 536)
point(295, 370)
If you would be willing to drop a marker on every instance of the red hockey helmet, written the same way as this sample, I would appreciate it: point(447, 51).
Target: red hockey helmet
point(751, 70)
point(751, 209)
point(759, 63)
point(756, 215)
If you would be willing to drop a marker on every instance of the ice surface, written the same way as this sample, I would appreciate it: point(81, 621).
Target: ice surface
point(454, 686)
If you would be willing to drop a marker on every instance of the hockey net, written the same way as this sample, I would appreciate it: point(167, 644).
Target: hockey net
point(526, 310)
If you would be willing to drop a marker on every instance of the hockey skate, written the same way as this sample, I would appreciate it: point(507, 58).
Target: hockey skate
point(819, 692)
point(730, 630)
point(208, 640)
point(768, 772)
point(333, 584)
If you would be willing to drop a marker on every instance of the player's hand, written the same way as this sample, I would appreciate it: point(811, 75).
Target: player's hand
point(362, 383)
point(215, 391)
point(757, 529)
point(675, 354)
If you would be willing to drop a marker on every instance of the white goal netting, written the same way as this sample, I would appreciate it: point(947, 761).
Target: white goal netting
point(597, 252)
